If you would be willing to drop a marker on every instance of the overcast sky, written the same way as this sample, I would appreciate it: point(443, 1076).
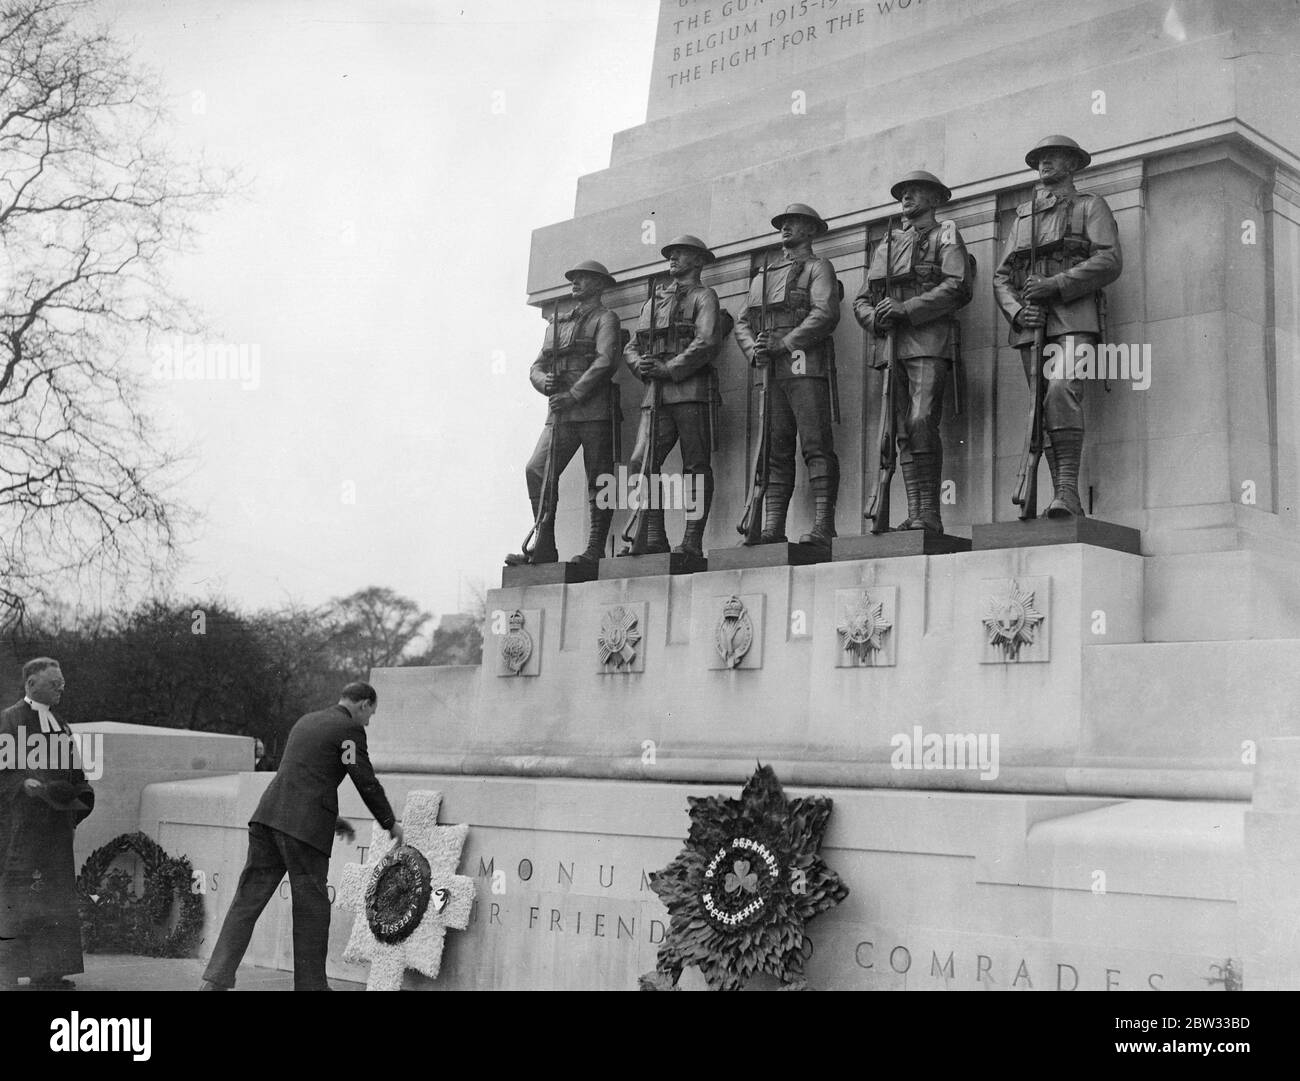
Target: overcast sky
point(401, 154)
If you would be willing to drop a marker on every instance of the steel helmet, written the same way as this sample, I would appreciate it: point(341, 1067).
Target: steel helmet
point(920, 176)
point(590, 266)
point(1058, 142)
point(801, 210)
point(688, 241)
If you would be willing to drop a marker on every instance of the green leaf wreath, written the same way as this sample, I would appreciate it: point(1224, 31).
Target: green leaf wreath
point(115, 919)
point(742, 890)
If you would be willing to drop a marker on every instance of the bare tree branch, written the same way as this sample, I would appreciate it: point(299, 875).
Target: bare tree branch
point(92, 202)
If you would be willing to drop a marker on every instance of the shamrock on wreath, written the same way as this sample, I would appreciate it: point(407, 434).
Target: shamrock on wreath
point(741, 892)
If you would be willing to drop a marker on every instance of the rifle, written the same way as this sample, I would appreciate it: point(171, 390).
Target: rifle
point(634, 533)
point(751, 525)
point(1026, 494)
point(878, 508)
point(546, 501)
point(831, 374)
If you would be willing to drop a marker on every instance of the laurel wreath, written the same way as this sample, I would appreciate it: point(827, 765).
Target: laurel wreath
point(115, 919)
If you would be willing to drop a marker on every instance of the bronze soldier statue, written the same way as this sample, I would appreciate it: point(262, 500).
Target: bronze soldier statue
point(801, 306)
point(930, 279)
point(1063, 250)
point(574, 370)
point(675, 360)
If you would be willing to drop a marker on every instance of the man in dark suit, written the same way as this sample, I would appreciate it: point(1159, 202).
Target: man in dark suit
point(293, 830)
point(41, 803)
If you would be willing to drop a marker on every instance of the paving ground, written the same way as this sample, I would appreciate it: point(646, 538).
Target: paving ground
point(125, 972)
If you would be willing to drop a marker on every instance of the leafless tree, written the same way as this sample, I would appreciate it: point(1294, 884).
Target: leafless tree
point(93, 198)
point(374, 628)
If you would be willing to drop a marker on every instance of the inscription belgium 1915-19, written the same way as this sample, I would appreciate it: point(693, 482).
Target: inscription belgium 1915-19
point(703, 39)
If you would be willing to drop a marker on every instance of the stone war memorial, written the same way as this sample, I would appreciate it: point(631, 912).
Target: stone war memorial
point(954, 252)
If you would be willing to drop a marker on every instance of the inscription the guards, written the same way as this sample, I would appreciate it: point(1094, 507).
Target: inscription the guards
point(708, 38)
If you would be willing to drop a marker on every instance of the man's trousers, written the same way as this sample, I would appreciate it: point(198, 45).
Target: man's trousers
point(270, 854)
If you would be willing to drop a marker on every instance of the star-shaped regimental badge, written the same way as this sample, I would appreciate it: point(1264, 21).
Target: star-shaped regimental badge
point(405, 897)
point(742, 891)
point(1011, 620)
point(619, 636)
point(863, 629)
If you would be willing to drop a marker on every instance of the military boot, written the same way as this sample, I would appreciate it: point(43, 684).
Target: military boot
point(776, 502)
point(693, 539)
point(823, 530)
point(1067, 449)
point(596, 534)
point(912, 482)
point(544, 550)
point(928, 467)
point(656, 539)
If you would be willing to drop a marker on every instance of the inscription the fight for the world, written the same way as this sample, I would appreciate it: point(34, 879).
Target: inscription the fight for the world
point(711, 37)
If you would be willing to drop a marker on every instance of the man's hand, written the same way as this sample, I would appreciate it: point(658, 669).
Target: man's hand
point(889, 314)
point(649, 368)
point(1038, 288)
point(770, 347)
point(551, 381)
point(396, 833)
point(1032, 316)
point(344, 831)
point(562, 401)
point(31, 786)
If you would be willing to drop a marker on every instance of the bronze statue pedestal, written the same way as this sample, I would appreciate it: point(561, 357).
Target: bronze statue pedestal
point(903, 542)
point(644, 566)
point(547, 574)
point(1038, 531)
point(784, 554)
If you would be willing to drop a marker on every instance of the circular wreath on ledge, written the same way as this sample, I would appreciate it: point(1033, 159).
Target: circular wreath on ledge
point(114, 918)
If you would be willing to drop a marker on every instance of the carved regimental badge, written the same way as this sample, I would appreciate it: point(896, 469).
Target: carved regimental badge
point(863, 628)
point(620, 634)
point(735, 632)
point(517, 645)
point(1011, 620)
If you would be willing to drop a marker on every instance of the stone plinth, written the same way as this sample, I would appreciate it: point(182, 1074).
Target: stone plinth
point(947, 890)
point(783, 554)
point(649, 565)
point(1270, 894)
point(907, 542)
point(1086, 705)
point(135, 755)
point(544, 574)
point(1036, 531)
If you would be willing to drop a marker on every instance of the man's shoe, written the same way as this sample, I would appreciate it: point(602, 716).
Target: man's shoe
point(51, 983)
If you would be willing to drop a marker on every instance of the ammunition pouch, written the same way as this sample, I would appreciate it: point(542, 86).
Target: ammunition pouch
point(798, 303)
point(779, 318)
point(1054, 257)
point(905, 286)
point(664, 342)
point(574, 361)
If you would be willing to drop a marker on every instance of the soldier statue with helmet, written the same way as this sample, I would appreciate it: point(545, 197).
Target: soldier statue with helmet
point(575, 369)
point(786, 326)
point(677, 337)
point(1063, 250)
point(919, 277)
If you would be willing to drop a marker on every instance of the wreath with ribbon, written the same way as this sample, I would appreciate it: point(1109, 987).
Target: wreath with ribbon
point(115, 918)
